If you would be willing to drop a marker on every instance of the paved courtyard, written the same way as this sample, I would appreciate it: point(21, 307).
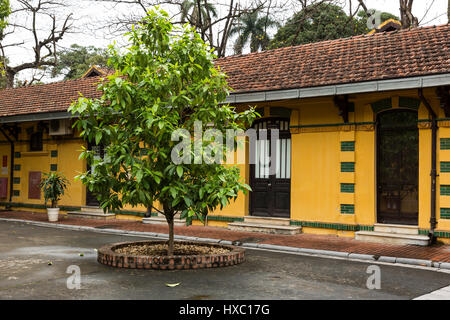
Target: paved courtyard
point(26, 250)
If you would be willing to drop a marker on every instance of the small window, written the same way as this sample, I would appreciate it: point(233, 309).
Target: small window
point(36, 141)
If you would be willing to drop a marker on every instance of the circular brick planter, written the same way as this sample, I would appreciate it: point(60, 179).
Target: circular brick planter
point(107, 255)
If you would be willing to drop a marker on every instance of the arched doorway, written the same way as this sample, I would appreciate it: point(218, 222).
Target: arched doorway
point(271, 192)
point(397, 167)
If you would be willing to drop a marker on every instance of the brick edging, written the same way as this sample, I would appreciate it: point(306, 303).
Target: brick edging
point(107, 255)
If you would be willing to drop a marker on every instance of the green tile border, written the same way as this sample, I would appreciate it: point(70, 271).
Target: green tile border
point(54, 153)
point(53, 167)
point(335, 226)
point(445, 213)
point(439, 234)
point(37, 206)
point(444, 190)
point(17, 167)
point(347, 208)
point(347, 187)
point(445, 166)
point(222, 218)
point(445, 143)
point(347, 145)
point(16, 180)
point(347, 167)
point(332, 124)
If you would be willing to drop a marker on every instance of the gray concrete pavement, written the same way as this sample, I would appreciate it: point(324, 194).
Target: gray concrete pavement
point(25, 251)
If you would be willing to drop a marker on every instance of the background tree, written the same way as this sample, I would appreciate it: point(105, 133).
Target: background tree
point(196, 12)
point(320, 22)
point(5, 11)
point(254, 28)
point(165, 81)
point(407, 18)
point(75, 61)
point(32, 17)
point(214, 23)
point(324, 21)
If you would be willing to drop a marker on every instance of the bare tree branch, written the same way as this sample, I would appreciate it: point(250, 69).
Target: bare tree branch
point(44, 48)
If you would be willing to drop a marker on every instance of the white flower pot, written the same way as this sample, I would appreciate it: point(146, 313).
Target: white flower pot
point(52, 214)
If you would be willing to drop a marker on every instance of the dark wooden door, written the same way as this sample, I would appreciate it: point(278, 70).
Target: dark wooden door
point(91, 199)
point(397, 167)
point(271, 191)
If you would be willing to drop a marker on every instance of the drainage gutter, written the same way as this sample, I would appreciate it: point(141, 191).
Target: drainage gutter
point(433, 173)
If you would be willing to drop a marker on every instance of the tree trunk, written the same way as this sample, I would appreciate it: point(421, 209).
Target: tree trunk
point(169, 219)
point(408, 20)
point(448, 11)
point(10, 79)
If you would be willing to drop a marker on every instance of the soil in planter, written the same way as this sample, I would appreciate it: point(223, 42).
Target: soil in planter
point(179, 250)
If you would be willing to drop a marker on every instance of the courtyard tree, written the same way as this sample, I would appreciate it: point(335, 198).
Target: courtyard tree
point(165, 84)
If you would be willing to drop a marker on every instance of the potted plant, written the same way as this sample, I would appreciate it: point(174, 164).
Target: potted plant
point(53, 186)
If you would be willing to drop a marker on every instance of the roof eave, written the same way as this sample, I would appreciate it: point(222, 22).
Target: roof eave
point(36, 117)
point(340, 89)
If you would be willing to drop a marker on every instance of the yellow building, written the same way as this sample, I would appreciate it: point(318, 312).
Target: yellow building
point(363, 149)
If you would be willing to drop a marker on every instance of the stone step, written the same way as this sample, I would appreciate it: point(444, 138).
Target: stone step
point(266, 228)
point(91, 215)
point(392, 238)
point(267, 220)
point(396, 228)
point(162, 220)
point(91, 209)
point(176, 216)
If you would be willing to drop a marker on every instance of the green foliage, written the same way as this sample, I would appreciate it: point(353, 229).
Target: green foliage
point(165, 80)
point(251, 27)
point(321, 22)
point(53, 186)
point(5, 11)
point(74, 62)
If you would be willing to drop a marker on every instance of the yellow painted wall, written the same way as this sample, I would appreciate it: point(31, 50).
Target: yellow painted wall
point(315, 165)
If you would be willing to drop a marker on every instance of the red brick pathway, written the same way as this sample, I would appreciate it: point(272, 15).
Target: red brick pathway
point(324, 242)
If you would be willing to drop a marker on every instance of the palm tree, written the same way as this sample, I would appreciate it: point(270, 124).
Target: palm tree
point(252, 28)
point(190, 12)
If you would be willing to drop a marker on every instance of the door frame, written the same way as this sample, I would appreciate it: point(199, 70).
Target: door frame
point(378, 219)
point(282, 134)
point(91, 201)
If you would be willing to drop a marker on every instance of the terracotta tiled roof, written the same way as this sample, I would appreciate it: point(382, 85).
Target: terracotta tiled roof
point(397, 54)
point(50, 97)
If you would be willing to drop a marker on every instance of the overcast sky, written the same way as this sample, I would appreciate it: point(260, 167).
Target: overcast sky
point(88, 15)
